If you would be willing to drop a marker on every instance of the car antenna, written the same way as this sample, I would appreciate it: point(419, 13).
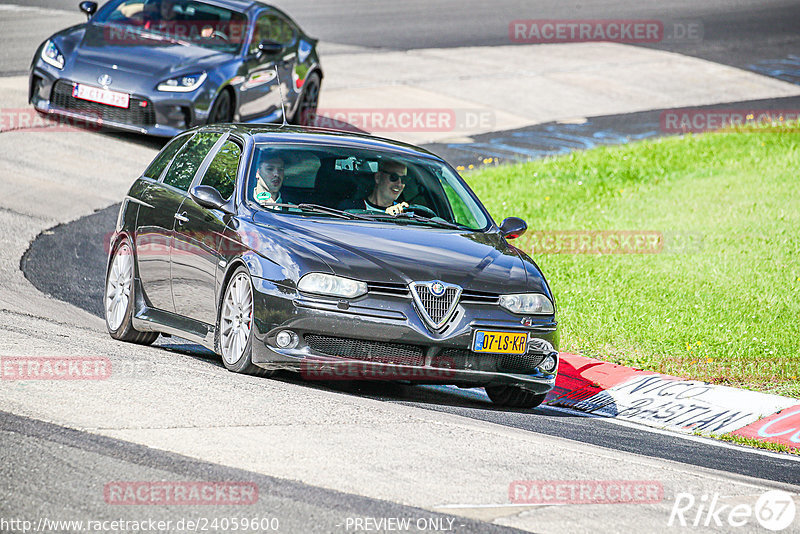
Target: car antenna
point(280, 88)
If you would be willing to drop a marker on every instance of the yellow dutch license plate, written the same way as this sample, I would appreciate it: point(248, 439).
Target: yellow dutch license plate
point(500, 342)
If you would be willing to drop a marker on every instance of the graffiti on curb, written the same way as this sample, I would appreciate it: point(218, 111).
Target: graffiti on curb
point(683, 405)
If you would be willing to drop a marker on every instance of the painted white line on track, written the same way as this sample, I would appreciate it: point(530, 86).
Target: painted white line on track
point(509, 505)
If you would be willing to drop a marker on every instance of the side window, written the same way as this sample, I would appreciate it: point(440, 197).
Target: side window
point(221, 173)
point(182, 171)
point(164, 157)
point(271, 27)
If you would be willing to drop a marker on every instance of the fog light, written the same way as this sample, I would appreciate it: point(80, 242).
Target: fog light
point(548, 365)
point(286, 339)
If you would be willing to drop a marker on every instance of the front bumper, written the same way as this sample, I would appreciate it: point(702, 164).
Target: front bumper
point(156, 113)
point(381, 337)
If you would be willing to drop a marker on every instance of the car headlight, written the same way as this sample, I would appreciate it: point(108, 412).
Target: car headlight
point(534, 303)
point(328, 284)
point(52, 55)
point(183, 84)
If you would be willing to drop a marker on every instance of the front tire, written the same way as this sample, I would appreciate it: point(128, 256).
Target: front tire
point(119, 298)
point(306, 112)
point(234, 335)
point(222, 110)
point(514, 397)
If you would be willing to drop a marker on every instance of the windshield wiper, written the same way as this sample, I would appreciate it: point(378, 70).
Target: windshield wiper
point(330, 211)
point(436, 222)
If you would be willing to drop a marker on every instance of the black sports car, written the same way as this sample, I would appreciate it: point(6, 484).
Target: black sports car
point(161, 66)
point(337, 255)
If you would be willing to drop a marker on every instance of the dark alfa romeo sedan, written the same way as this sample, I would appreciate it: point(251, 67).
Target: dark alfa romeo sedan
point(159, 67)
point(335, 255)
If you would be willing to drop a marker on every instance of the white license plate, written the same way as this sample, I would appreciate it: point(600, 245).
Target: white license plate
point(102, 96)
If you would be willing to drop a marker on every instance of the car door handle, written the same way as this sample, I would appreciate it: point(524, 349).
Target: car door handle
point(181, 217)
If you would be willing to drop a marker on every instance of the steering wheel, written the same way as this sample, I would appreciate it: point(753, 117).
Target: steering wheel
point(215, 34)
point(422, 210)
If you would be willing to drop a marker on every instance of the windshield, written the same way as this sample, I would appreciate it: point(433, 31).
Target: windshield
point(186, 21)
point(363, 183)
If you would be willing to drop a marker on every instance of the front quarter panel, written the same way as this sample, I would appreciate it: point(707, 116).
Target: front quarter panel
point(268, 254)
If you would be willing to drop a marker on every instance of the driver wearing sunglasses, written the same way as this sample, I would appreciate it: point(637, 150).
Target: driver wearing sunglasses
point(390, 180)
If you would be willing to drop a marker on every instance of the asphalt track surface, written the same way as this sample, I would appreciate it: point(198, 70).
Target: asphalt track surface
point(79, 249)
point(68, 461)
point(735, 32)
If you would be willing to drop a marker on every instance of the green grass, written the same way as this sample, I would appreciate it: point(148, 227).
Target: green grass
point(721, 301)
point(755, 443)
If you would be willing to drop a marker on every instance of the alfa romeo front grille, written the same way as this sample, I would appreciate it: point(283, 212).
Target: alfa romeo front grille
point(437, 307)
point(436, 301)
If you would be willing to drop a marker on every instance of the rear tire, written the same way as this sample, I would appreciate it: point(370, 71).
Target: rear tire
point(119, 298)
point(514, 397)
point(233, 339)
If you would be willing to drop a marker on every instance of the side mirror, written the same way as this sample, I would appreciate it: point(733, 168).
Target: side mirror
point(208, 197)
point(268, 47)
point(89, 8)
point(513, 227)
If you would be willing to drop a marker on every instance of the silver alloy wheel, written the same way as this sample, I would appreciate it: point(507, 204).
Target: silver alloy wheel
point(118, 287)
point(236, 320)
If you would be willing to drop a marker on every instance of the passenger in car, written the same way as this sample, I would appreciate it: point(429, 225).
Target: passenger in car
point(269, 179)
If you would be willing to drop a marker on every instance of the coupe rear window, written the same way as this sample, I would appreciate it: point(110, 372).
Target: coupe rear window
point(362, 182)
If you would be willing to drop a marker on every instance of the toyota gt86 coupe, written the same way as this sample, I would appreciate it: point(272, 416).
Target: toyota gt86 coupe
point(288, 248)
point(159, 67)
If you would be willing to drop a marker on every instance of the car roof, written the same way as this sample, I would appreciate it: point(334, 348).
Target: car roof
point(277, 133)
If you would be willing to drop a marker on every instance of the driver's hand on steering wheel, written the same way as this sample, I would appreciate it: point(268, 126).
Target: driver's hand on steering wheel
point(396, 209)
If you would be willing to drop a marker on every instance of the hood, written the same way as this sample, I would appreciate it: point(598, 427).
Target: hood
point(405, 253)
point(137, 54)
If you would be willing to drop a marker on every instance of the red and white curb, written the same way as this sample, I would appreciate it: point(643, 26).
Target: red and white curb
point(673, 403)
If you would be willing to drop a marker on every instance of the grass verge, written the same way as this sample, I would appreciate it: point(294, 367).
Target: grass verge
point(716, 297)
point(756, 443)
